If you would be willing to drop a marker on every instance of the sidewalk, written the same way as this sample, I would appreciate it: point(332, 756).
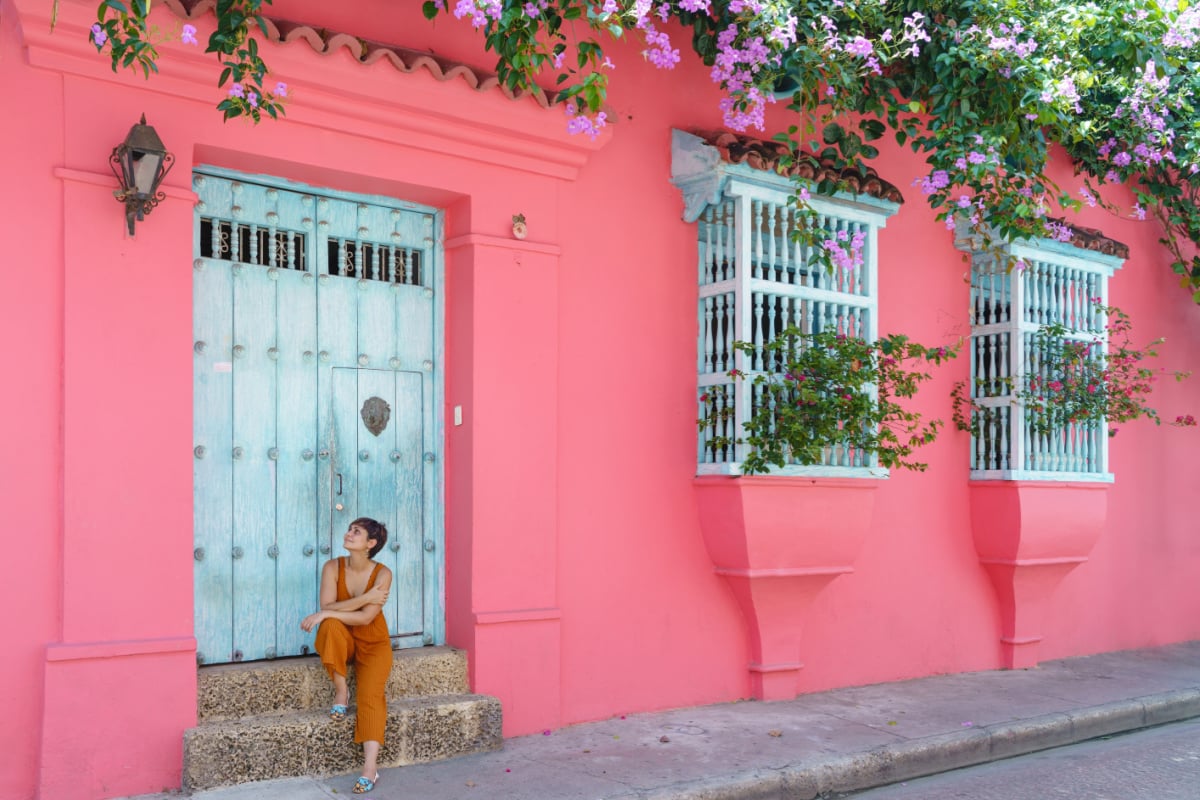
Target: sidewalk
point(836, 741)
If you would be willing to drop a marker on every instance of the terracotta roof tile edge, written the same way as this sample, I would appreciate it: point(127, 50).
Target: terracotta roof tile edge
point(764, 155)
point(368, 52)
point(1094, 240)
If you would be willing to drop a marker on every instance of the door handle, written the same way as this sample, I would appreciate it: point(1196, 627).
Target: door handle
point(339, 489)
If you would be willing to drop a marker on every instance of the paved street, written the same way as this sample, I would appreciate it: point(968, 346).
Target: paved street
point(1156, 764)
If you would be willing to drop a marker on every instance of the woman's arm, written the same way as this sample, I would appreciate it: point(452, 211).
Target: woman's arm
point(376, 594)
point(383, 583)
point(328, 595)
point(359, 617)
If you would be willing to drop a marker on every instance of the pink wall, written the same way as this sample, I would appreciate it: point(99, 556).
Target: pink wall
point(577, 575)
point(31, 326)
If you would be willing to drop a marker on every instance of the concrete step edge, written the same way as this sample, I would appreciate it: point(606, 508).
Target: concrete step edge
point(321, 715)
point(232, 691)
point(296, 743)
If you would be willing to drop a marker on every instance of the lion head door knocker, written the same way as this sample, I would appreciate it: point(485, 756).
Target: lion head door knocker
point(375, 414)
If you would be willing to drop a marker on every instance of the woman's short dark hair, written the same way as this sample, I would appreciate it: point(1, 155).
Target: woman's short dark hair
point(375, 530)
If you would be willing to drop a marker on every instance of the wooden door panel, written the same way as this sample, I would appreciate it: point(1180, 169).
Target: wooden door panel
point(254, 442)
point(373, 461)
point(406, 556)
point(343, 448)
point(296, 534)
point(212, 475)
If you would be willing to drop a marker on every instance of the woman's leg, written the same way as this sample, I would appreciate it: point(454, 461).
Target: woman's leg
point(370, 760)
point(341, 692)
point(335, 645)
point(372, 668)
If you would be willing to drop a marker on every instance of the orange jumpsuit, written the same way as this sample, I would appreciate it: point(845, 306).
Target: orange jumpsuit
point(370, 648)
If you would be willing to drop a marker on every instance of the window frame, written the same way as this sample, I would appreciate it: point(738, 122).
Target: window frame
point(1068, 263)
point(707, 182)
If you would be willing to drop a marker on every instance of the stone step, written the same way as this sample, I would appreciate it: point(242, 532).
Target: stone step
point(238, 691)
point(295, 743)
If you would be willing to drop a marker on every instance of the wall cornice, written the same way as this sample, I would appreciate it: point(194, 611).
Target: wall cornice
point(332, 90)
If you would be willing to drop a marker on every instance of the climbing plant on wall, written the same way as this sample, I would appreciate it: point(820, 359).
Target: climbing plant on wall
point(981, 89)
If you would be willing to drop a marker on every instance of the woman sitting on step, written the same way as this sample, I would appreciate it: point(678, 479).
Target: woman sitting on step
point(352, 628)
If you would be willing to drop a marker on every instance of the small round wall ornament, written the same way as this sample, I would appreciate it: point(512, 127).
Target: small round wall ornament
point(519, 229)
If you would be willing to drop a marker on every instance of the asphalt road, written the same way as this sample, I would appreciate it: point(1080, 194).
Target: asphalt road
point(1155, 764)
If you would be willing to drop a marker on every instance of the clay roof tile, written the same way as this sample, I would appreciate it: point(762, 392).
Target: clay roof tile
point(764, 155)
point(408, 61)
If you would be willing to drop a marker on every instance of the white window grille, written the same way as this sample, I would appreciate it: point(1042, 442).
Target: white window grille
point(1015, 293)
point(755, 280)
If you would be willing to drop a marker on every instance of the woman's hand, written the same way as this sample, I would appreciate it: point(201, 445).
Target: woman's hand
point(377, 595)
point(313, 620)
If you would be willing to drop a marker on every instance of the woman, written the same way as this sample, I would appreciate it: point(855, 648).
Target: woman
point(351, 627)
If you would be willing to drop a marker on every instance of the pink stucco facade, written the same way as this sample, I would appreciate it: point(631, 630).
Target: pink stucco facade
point(577, 573)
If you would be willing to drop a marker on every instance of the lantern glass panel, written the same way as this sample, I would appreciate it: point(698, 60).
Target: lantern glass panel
point(145, 170)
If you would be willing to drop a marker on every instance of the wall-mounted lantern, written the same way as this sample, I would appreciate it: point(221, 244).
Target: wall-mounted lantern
point(140, 164)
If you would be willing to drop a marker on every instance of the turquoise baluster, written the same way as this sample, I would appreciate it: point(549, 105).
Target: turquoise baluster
point(1001, 443)
point(772, 271)
point(728, 317)
point(758, 334)
point(731, 246)
point(772, 301)
point(706, 335)
point(1035, 293)
point(756, 242)
point(716, 235)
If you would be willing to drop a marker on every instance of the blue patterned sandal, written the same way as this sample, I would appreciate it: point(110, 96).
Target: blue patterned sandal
point(337, 713)
point(364, 785)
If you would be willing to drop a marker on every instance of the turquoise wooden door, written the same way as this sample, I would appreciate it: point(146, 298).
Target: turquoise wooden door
point(378, 465)
point(309, 306)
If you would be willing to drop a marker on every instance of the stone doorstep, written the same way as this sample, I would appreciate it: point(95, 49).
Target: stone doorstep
point(238, 691)
point(298, 743)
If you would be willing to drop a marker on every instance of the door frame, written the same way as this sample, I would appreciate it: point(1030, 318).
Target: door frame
point(435, 516)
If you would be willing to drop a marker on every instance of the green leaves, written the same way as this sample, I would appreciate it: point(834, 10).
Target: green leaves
point(992, 77)
point(1074, 378)
point(825, 390)
point(872, 129)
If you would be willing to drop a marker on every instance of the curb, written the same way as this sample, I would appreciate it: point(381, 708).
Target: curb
point(932, 755)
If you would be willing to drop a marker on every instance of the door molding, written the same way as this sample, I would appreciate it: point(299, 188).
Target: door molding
point(321, 267)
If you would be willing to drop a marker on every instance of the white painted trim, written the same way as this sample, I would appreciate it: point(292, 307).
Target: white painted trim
point(704, 179)
point(732, 468)
point(1037, 475)
point(1057, 254)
